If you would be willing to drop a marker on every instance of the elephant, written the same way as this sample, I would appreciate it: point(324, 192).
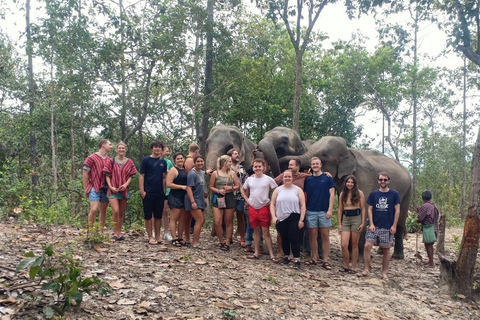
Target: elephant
point(221, 139)
point(280, 142)
point(341, 161)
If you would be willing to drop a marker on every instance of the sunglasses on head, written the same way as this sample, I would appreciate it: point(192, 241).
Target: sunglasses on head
point(383, 180)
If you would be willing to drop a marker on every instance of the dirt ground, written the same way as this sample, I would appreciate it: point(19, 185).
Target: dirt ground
point(165, 282)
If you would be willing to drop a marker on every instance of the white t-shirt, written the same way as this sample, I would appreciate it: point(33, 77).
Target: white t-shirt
point(287, 202)
point(259, 190)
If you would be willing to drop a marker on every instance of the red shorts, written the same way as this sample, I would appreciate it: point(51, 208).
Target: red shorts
point(259, 217)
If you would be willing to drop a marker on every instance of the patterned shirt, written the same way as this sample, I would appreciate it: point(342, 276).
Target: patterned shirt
point(119, 173)
point(428, 214)
point(242, 177)
point(96, 178)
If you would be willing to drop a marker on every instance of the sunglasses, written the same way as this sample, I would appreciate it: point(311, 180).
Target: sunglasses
point(383, 180)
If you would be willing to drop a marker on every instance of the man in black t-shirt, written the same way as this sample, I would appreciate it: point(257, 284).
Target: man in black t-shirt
point(153, 170)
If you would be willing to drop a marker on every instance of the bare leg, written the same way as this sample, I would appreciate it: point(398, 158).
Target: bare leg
point(122, 206)
point(176, 216)
point(241, 225)
point(429, 248)
point(228, 218)
point(280, 253)
point(115, 205)
point(325, 234)
point(187, 222)
point(103, 214)
point(157, 225)
point(268, 240)
point(92, 214)
point(355, 239)
point(313, 234)
point(366, 258)
point(148, 227)
point(345, 238)
point(199, 221)
point(217, 223)
point(385, 262)
point(257, 233)
point(165, 219)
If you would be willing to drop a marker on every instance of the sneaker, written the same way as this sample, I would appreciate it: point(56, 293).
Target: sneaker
point(286, 260)
point(168, 237)
point(296, 265)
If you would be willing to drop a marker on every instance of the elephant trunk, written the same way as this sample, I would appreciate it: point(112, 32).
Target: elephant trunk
point(211, 159)
point(266, 146)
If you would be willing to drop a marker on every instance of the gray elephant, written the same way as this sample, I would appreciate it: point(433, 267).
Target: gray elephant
point(221, 139)
point(341, 161)
point(280, 142)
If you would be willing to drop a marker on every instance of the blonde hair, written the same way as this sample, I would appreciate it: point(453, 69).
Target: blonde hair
point(221, 161)
point(121, 143)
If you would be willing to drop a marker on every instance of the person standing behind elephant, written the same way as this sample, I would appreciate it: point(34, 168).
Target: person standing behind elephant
point(119, 172)
point(223, 183)
point(240, 202)
point(383, 213)
point(258, 187)
point(165, 216)
point(351, 220)
point(320, 191)
point(428, 215)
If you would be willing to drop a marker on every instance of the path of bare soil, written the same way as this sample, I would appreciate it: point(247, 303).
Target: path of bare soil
point(165, 282)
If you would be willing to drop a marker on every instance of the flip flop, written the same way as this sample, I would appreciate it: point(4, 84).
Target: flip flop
point(177, 243)
point(198, 247)
point(346, 270)
point(326, 265)
point(119, 238)
point(150, 242)
point(351, 271)
point(276, 260)
point(253, 257)
point(187, 244)
point(243, 244)
point(361, 275)
point(224, 247)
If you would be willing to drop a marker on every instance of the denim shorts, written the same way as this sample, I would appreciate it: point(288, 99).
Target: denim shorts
point(317, 219)
point(95, 196)
point(381, 237)
point(119, 196)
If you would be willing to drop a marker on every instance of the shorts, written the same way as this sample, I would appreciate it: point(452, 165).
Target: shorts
point(317, 219)
point(119, 196)
point(176, 202)
point(240, 207)
point(381, 237)
point(259, 217)
point(229, 201)
point(94, 196)
point(351, 223)
point(153, 203)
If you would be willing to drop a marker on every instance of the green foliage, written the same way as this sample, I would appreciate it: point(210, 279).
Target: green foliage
point(95, 236)
point(411, 224)
point(457, 239)
point(229, 314)
point(271, 279)
point(62, 275)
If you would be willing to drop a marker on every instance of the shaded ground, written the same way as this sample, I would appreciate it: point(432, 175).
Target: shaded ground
point(164, 282)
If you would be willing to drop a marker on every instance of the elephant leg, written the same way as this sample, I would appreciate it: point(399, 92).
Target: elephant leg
point(398, 250)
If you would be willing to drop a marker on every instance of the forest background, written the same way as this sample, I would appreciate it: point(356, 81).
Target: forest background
point(139, 70)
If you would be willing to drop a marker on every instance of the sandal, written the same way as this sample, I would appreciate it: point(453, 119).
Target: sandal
point(311, 263)
point(276, 260)
point(351, 271)
point(253, 257)
point(243, 244)
point(326, 265)
point(224, 247)
point(187, 244)
point(248, 248)
point(121, 238)
point(178, 243)
point(346, 270)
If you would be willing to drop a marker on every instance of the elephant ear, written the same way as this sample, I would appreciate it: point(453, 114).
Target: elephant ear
point(347, 164)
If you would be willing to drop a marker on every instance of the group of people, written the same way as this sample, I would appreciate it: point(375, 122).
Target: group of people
point(300, 201)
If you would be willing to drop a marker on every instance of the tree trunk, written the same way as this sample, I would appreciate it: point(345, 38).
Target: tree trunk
point(441, 235)
point(208, 77)
point(459, 274)
point(298, 89)
point(31, 95)
point(123, 107)
point(464, 140)
point(196, 92)
point(415, 106)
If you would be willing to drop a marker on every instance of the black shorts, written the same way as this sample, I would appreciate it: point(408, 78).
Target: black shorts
point(153, 203)
point(176, 202)
point(230, 201)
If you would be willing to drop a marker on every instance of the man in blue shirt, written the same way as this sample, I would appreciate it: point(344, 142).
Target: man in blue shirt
point(383, 213)
point(153, 170)
point(320, 190)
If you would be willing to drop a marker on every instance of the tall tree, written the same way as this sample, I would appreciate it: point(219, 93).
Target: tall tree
point(292, 16)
